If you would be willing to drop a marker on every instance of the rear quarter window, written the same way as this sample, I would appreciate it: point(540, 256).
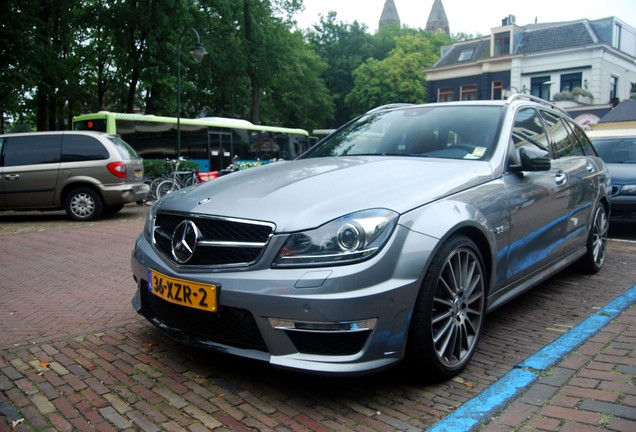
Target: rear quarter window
point(32, 150)
point(123, 148)
point(77, 148)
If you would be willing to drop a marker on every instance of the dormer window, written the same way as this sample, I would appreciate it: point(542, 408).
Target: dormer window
point(502, 44)
point(466, 55)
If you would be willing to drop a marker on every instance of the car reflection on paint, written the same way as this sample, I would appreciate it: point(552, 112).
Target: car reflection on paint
point(389, 240)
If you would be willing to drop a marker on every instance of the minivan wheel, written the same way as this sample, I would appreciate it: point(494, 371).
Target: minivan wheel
point(449, 312)
point(84, 204)
point(596, 245)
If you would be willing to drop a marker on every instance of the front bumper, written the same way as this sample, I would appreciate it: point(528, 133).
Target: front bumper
point(623, 208)
point(307, 319)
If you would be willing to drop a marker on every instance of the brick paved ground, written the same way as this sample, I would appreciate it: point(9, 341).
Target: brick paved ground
point(591, 389)
point(74, 356)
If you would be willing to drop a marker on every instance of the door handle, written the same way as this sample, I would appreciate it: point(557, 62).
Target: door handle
point(561, 178)
point(12, 177)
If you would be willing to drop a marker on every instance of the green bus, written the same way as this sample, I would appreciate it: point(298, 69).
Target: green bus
point(214, 142)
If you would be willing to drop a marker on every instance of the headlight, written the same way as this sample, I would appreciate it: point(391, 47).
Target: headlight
point(150, 219)
point(629, 189)
point(346, 240)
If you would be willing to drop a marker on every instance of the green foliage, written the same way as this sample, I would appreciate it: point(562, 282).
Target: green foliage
point(62, 58)
point(399, 77)
point(156, 167)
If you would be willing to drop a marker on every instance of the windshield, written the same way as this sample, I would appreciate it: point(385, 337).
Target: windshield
point(616, 150)
point(450, 131)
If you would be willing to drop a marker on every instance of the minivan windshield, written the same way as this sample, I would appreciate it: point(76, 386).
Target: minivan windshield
point(450, 132)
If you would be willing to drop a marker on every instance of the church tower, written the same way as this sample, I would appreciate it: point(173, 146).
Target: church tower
point(437, 21)
point(389, 14)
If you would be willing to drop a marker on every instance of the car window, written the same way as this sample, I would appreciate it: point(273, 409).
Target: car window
point(583, 140)
point(616, 150)
point(528, 130)
point(82, 148)
point(123, 148)
point(32, 150)
point(451, 132)
point(565, 143)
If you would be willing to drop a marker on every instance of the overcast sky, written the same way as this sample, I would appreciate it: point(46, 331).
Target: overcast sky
point(469, 16)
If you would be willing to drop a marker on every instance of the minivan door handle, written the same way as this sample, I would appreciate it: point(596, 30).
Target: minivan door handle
point(12, 177)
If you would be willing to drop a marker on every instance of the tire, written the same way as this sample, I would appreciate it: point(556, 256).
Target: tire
point(596, 245)
point(449, 312)
point(83, 204)
point(166, 187)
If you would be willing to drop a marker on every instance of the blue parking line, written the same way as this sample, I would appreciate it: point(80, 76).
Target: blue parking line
point(470, 414)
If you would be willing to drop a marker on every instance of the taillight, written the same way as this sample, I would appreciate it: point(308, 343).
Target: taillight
point(117, 169)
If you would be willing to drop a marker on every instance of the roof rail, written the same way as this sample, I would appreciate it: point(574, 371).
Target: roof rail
point(517, 96)
point(388, 107)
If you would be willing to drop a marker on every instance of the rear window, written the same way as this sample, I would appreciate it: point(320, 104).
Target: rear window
point(123, 148)
point(32, 150)
point(82, 148)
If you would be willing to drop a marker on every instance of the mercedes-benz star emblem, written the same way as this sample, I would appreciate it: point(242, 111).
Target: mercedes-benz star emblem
point(184, 241)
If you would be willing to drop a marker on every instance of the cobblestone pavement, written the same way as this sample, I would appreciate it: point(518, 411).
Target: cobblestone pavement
point(75, 356)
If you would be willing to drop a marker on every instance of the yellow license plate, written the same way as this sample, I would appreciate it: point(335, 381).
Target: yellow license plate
point(182, 292)
point(138, 173)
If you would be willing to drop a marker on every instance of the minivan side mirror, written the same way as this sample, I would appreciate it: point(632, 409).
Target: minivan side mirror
point(532, 159)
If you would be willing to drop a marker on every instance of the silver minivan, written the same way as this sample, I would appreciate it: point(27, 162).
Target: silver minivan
point(86, 173)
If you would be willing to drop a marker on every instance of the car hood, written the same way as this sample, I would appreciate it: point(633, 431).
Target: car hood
point(306, 193)
point(622, 173)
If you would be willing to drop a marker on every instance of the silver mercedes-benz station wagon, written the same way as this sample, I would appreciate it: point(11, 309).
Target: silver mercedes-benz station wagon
point(390, 239)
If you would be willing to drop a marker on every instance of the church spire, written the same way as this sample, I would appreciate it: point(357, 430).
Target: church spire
point(389, 14)
point(437, 21)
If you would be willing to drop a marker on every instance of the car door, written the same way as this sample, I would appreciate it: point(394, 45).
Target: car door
point(30, 167)
point(539, 201)
point(582, 179)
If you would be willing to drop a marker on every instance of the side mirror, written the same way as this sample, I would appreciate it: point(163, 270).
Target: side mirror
point(532, 160)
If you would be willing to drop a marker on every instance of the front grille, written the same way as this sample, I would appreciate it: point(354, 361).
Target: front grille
point(223, 241)
point(229, 326)
point(345, 343)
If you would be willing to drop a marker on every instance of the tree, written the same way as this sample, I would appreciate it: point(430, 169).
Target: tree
point(398, 78)
point(344, 47)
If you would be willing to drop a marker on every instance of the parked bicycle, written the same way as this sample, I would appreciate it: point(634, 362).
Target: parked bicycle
point(176, 179)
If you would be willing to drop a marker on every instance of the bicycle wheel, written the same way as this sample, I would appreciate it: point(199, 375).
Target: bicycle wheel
point(166, 187)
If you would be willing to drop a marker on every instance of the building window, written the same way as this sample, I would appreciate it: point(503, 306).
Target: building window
point(571, 81)
point(540, 87)
point(502, 44)
point(469, 92)
point(466, 55)
point(445, 95)
point(613, 87)
point(616, 37)
point(497, 90)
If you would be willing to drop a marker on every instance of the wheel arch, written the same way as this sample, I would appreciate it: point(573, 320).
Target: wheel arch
point(76, 185)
